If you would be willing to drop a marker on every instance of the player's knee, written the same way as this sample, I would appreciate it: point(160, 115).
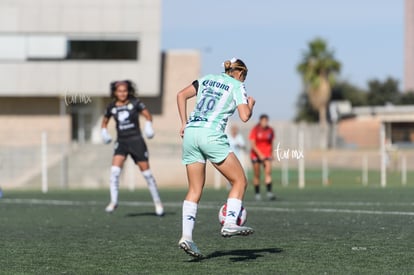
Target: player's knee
point(240, 183)
point(193, 195)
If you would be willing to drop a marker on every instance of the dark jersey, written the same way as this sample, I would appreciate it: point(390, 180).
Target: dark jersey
point(126, 117)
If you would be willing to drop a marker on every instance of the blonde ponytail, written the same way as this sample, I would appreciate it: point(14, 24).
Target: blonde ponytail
point(227, 66)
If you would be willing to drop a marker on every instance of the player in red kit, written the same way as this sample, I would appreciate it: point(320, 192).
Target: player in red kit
point(261, 139)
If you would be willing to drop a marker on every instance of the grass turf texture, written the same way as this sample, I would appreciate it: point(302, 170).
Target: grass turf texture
point(340, 229)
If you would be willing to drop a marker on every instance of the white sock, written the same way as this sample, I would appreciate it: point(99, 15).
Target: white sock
point(114, 183)
point(189, 217)
point(233, 210)
point(152, 185)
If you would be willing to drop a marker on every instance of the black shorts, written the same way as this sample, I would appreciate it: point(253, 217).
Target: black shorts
point(257, 160)
point(135, 147)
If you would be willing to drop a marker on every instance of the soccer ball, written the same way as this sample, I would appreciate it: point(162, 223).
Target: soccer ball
point(241, 219)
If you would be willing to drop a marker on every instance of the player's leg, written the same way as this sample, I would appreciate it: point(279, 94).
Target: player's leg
point(268, 179)
point(232, 170)
point(139, 153)
point(217, 150)
point(256, 179)
point(152, 186)
point(117, 163)
point(195, 166)
point(196, 179)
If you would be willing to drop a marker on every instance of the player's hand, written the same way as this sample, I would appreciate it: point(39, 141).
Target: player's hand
point(105, 136)
point(148, 130)
point(182, 131)
point(251, 101)
point(261, 157)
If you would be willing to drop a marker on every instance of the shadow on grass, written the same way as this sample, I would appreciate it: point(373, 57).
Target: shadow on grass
point(240, 255)
point(142, 214)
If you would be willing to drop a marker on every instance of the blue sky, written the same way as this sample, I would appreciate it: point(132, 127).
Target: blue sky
point(270, 36)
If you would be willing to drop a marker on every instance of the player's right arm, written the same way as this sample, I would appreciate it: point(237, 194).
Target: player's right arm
point(182, 97)
point(253, 145)
point(244, 103)
point(256, 150)
point(105, 121)
point(104, 128)
point(246, 110)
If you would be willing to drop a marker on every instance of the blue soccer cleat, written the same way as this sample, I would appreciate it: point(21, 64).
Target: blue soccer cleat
point(190, 248)
point(231, 230)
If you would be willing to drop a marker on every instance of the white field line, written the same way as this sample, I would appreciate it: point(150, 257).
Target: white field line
point(347, 203)
point(47, 202)
point(335, 210)
point(211, 206)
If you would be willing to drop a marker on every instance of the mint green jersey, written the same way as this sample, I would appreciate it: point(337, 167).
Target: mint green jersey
point(217, 98)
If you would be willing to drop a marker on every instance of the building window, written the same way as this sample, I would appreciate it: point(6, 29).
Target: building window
point(102, 50)
point(402, 132)
point(60, 47)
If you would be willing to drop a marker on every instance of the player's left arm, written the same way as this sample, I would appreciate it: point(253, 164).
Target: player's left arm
point(148, 129)
point(271, 143)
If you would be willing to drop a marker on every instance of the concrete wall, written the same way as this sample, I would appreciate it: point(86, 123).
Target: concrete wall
point(22, 130)
point(29, 106)
point(361, 132)
point(24, 119)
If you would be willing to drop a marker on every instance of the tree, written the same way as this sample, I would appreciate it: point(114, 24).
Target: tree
point(406, 98)
point(344, 90)
point(305, 112)
point(383, 92)
point(318, 68)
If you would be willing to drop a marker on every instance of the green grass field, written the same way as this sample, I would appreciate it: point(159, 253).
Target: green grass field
point(339, 229)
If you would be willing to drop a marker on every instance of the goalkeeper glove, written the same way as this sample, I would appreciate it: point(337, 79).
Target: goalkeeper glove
point(105, 136)
point(148, 130)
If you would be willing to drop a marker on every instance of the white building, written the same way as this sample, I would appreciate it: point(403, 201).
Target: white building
point(57, 58)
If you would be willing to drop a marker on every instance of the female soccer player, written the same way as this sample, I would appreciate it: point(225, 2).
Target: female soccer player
point(126, 108)
point(261, 139)
point(218, 96)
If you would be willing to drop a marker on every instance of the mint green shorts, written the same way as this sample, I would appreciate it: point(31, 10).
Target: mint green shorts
point(201, 144)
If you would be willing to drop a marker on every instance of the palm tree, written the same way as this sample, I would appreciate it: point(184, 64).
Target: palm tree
point(318, 68)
